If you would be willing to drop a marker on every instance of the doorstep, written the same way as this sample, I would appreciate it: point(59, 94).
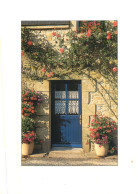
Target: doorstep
point(75, 153)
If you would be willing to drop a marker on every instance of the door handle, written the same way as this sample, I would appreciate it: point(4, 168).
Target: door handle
point(80, 119)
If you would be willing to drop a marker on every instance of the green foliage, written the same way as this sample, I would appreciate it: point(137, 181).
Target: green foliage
point(27, 125)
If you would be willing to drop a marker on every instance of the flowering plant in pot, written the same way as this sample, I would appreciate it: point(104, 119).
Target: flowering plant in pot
point(31, 97)
point(101, 135)
point(28, 109)
point(28, 136)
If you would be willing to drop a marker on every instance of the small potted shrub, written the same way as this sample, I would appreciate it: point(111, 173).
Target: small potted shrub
point(28, 136)
point(101, 135)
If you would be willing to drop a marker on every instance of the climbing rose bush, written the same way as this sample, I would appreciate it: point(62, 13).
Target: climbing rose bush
point(93, 47)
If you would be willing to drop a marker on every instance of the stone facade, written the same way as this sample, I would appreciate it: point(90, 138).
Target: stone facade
point(93, 101)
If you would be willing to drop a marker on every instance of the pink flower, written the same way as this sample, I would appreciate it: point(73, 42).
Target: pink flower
point(22, 53)
point(51, 73)
point(100, 146)
point(38, 92)
point(43, 70)
point(88, 34)
point(53, 33)
point(30, 43)
point(89, 31)
point(108, 37)
point(61, 50)
point(115, 69)
point(115, 23)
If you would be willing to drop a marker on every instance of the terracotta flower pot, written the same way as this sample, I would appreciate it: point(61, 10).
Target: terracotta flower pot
point(27, 149)
point(101, 150)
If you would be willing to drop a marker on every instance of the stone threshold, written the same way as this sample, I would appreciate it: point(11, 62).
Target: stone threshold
point(76, 153)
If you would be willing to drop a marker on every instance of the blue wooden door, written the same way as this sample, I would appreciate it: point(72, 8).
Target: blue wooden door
point(66, 123)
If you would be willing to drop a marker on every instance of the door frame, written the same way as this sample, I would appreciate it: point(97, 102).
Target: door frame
point(80, 111)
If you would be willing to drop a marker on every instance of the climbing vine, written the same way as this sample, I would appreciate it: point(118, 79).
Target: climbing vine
point(90, 51)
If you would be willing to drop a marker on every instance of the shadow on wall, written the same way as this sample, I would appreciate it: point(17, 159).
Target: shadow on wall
point(42, 119)
point(42, 125)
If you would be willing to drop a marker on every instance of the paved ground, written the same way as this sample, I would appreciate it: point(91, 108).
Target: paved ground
point(69, 157)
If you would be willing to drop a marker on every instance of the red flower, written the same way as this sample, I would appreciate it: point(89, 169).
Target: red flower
point(32, 111)
point(35, 98)
point(88, 34)
point(26, 93)
point(115, 69)
point(108, 131)
point(24, 108)
point(98, 24)
point(66, 39)
point(31, 103)
point(53, 33)
point(43, 70)
point(22, 111)
point(115, 23)
point(21, 40)
point(97, 134)
point(114, 128)
point(32, 98)
point(108, 37)
point(61, 50)
point(113, 148)
point(51, 73)
point(22, 53)
point(57, 35)
point(30, 43)
point(32, 107)
point(108, 126)
point(115, 32)
point(29, 109)
point(26, 135)
point(109, 33)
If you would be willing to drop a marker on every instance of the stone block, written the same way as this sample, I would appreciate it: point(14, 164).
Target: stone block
point(41, 86)
point(89, 86)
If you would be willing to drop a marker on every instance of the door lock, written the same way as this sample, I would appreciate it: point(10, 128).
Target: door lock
point(80, 119)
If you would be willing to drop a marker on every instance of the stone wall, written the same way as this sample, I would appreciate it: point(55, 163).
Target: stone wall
point(92, 101)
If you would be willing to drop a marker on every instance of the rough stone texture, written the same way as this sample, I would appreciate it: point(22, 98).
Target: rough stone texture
point(69, 157)
point(92, 101)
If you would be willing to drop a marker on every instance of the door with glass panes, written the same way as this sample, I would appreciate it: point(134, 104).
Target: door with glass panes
point(66, 123)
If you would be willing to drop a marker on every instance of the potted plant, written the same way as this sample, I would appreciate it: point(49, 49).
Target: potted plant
point(101, 135)
point(28, 136)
